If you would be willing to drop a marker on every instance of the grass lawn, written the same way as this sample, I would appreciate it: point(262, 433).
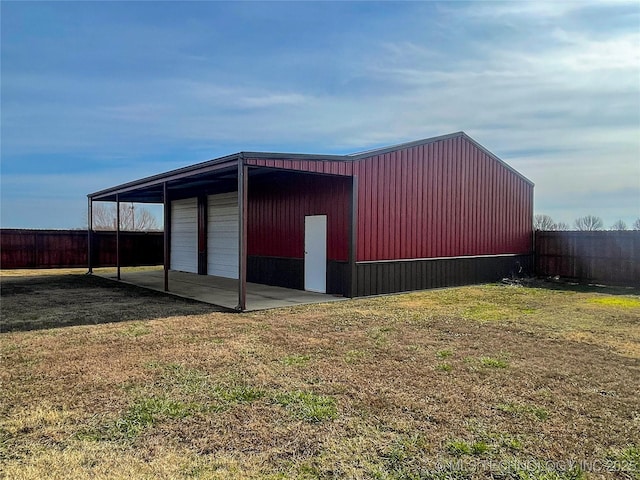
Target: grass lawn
point(455, 383)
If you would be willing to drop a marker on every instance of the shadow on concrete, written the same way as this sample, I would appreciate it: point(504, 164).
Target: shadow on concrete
point(222, 291)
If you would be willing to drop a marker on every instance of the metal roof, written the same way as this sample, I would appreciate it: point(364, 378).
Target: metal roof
point(228, 164)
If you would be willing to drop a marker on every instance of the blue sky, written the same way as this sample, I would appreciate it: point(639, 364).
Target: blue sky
point(95, 94)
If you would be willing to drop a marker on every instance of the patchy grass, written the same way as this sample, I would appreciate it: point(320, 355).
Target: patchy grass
point(626, 459)
point(444, 367)
point(296, 360)
point(135, 329)
point(145, 412)
point(490, 362)
point(444, 354)
point(473, 382)
point(519, 409)
point(623, 302)
point(308, 406)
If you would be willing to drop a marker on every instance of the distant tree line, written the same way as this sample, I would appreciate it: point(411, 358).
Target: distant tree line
point(588, 223)
point(132, 218)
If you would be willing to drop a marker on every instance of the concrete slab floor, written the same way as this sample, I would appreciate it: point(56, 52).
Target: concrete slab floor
point(221, 291)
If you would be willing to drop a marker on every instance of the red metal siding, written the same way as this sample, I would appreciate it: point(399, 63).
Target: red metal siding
point(442, 199)
point(276, 214)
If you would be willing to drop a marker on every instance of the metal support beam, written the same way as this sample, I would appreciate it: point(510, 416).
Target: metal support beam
point(167, 234)
point(89, 234)
point(243, 175)
point(118, 234)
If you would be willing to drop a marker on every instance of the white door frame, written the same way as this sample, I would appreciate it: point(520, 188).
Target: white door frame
point(315, 253)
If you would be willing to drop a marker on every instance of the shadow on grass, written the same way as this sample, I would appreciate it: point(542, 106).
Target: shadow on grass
point(582, 287)
point(41, 302)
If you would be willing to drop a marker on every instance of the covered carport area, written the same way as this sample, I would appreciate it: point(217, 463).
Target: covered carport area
point(206, 205)
point(221, 291)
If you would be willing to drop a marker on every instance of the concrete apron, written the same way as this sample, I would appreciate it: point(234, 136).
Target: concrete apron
point(222, 292)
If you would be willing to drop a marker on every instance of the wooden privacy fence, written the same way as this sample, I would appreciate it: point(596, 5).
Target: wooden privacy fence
point(602, 257)
point(68, 248)
point(608, 257)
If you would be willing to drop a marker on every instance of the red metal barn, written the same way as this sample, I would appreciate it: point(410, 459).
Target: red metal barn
point(436, 212)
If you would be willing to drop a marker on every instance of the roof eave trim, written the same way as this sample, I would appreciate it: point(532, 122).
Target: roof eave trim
point(426, 141)
point(496, 158)
point(402, 146)
point(299, 156)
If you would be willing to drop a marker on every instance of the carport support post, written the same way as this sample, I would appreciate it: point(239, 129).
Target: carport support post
point(89, 232)
point(243, 174)
point(167, 232)
point(118, 234)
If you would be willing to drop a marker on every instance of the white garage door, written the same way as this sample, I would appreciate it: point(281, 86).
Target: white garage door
point(184, 235)
point(222, 235)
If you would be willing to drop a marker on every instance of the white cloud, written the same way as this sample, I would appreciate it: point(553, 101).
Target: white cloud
point(135, 112)
point(538, 9)
point(272, 100)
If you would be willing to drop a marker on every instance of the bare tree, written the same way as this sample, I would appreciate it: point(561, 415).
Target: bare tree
point(103, 216)
point(619, 225)
point(562, 226)
point(132, 218)
point(543, 222)
point(636, 224)
point(589, 223)
point(143, 220)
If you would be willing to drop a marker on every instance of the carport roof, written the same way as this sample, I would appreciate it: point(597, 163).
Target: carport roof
point(223, 170)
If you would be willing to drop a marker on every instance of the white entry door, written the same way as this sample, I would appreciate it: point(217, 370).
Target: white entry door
point(315, 253)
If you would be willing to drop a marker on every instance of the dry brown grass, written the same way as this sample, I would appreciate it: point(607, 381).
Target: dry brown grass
point(44, 301)
point(390, 387)
point(39, 272)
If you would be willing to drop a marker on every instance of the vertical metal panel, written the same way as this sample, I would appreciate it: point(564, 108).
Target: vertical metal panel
point(277, 207)
point(353, 232)
point(448, 198)
point(281, 272)
point(418, 219)
point(437, 225)
point(447, 205)
point(404, 221)
point(388, 277)
point(315, 166)
point(431, 199)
